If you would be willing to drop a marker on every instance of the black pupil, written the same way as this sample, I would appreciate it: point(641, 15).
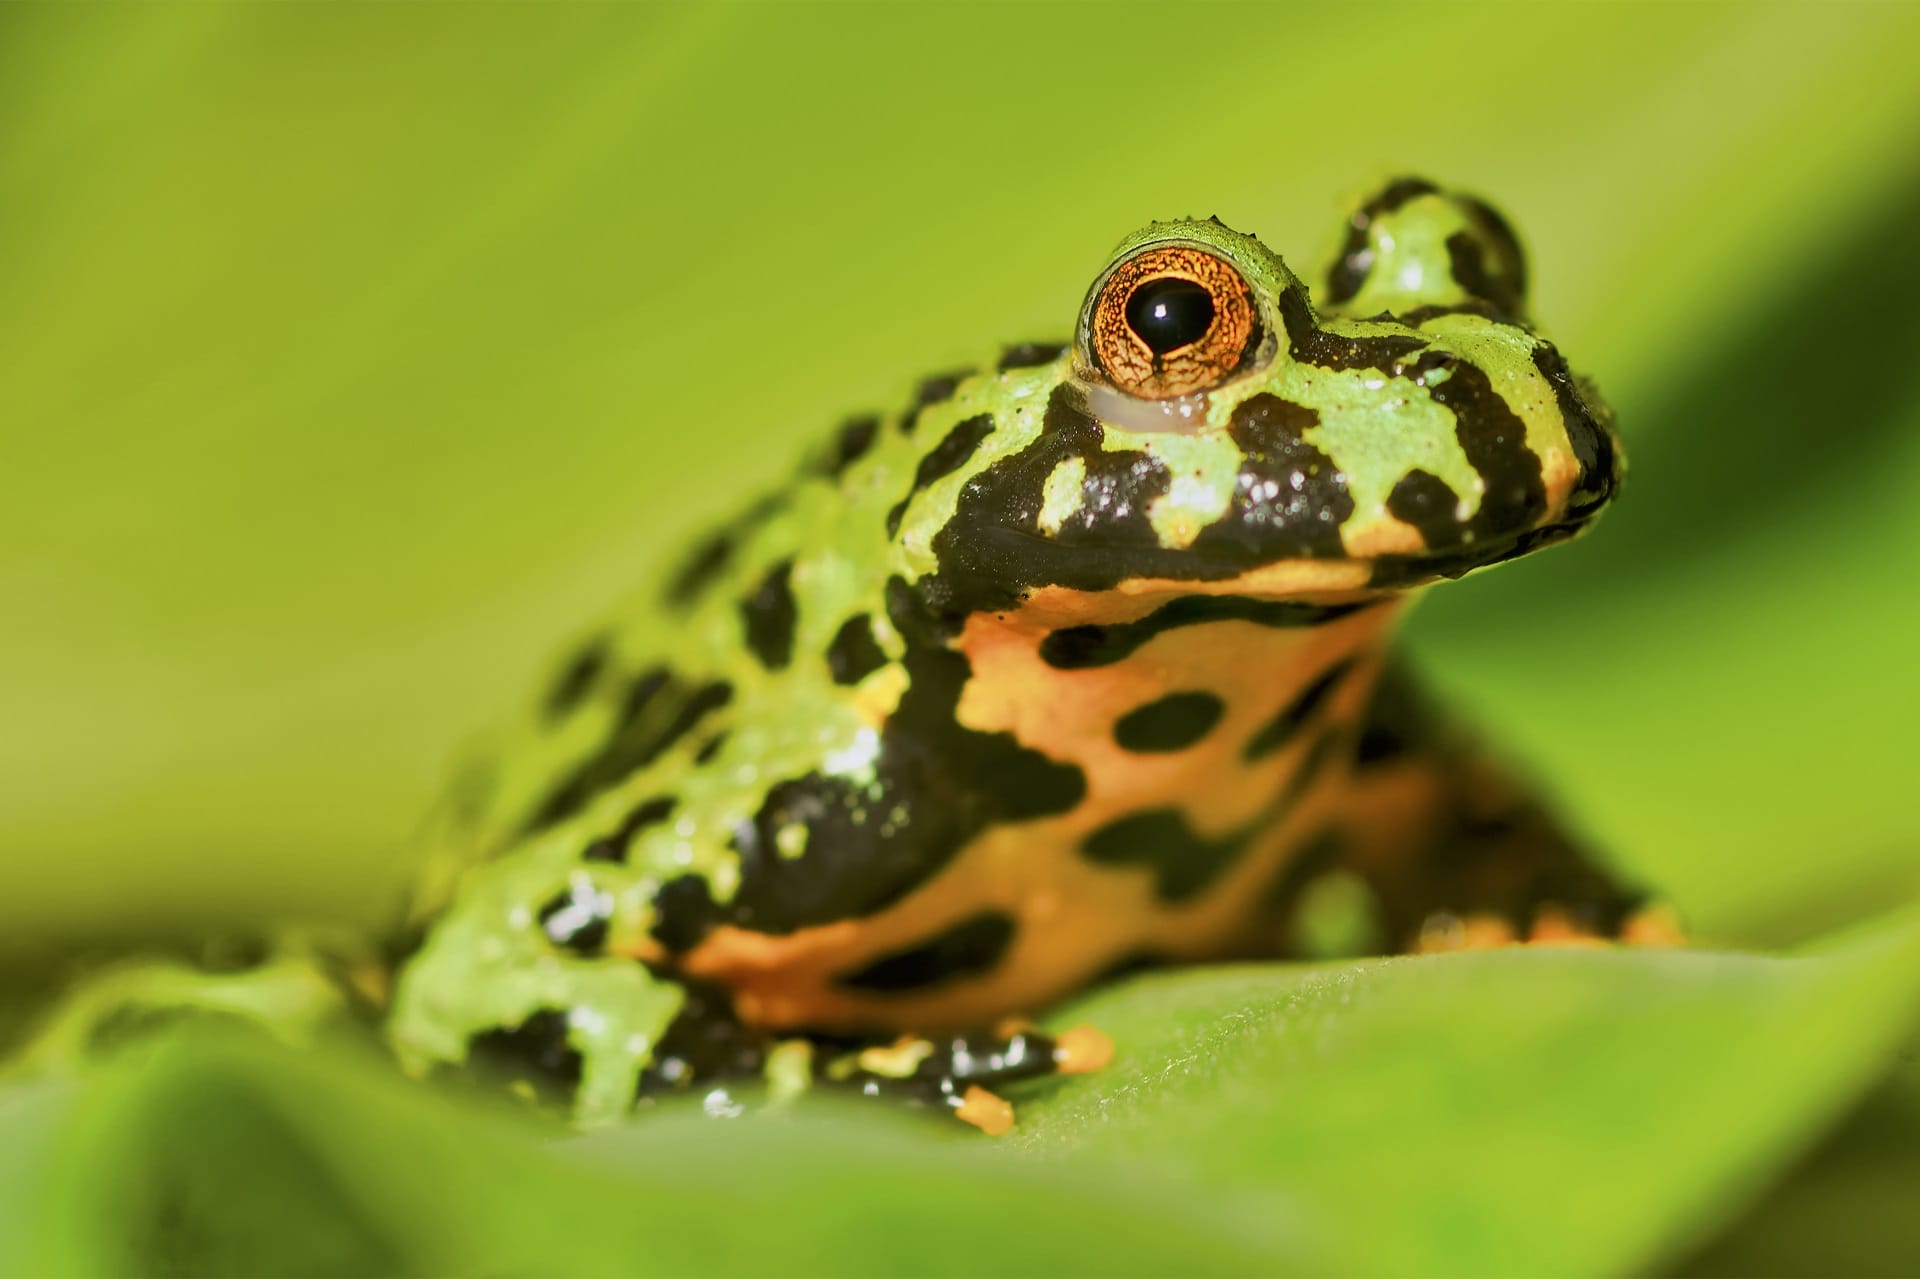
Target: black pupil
point(1169, 314)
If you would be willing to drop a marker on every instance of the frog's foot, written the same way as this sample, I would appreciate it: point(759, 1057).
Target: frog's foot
point(960, 1073)
point(708, 1049)
point(1656, 925)
point(1549, 924)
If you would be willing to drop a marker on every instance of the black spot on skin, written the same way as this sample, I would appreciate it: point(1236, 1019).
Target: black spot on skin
point(853, 653)
point(769, 615)
point(934, 390)
point(1592, 443)
point(613, 848)
point(1325, 750)
point(395, 950)
point(705, 699)
point(535, 1053)
point(641, 691)
point(1467, 261)
point(1029, 355)
point(970, 948)
point(576, 679)
point(1183, 862)
point(684, 912)
point(1350, 269)
point(702, 566)
point(576, 917)
point(1076, 648)
point(1514, 499)
point(226, 955)
point(1171, 723)
point(936, 784)
point(711, 556)
point(1379, 744)
point(705, 1041)
point(1310, 344)
point(660, 711)
point(1283, 727)
point(852, 443)
point(1502, 261)
point(1425, 501)
point(1289, 499)
point(1495, 442)
point(944, 458)
point(1134, 961)
point(1398, 722)
point(706, 753)
point(1421, 314)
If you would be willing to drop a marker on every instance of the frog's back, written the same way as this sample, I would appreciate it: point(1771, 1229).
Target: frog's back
point(766, 652)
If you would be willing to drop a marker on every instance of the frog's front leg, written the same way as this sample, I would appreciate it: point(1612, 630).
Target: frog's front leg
point(689, 1042)
point(959, 1073)
point(495, 1005)
point(1458, 855)
point(707, 1047)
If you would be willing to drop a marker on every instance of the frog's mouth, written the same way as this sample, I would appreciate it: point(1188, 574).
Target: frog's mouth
point(986, 565)
point(1000, 568)
point(1393, 572)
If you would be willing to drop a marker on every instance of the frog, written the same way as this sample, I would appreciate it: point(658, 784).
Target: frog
point(1082, 659)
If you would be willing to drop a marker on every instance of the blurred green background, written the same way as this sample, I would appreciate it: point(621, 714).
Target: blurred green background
point(352, 355)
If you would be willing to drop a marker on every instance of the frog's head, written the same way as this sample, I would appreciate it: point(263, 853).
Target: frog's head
point(1214, 426)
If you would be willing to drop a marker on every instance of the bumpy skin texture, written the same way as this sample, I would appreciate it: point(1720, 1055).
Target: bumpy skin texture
point(1019, 685)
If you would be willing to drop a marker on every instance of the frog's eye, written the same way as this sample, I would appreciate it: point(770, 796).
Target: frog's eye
point(1170, 321)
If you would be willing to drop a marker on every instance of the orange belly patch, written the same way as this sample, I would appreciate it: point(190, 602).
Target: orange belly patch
point(1072, 917)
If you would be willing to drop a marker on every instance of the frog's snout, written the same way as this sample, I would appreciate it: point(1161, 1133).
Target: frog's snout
point(1603, 465)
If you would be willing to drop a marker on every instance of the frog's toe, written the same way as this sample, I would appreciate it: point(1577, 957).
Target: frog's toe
point(1548, 924)
point(1657, 924)
point(1082, 1050)
point(1556, 926)
point(1653, 924)
point(1444, 931)
point(991, 1113)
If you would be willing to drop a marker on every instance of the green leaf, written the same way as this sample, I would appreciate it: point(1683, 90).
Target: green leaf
point(1571, 1112)
point(1847, 1210)
point(1505, 1112)
point(230, 1159)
